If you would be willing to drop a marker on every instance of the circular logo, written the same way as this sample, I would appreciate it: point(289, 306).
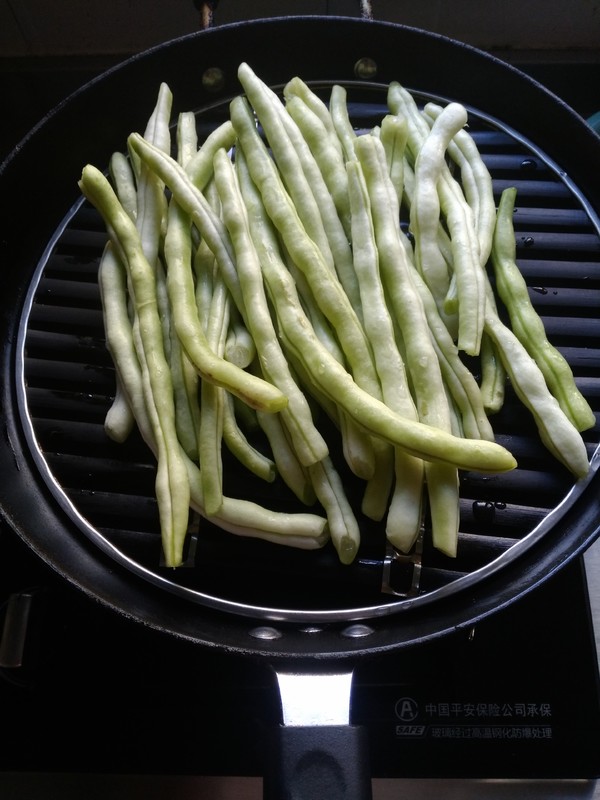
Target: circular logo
point(406, 709)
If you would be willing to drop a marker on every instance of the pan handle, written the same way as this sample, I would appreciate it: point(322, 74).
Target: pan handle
point(207, 10)
point(316, 752)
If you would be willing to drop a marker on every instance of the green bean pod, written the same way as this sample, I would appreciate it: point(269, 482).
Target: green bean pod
point(326, 288)
point(342, 523)
point(493, 376)
point(123, 181)
point(556, 431)
point(527, 324)
point(476, 181)
point(240, 347)
point(326, 151)
point(187, 137)
point(199, 167)
point(112, 282)
point(394, 136)
point(308, 442)
point(421, 358)
point(255, 391)
point(404, 523)
point(237, 443)
point(303, 530)
point(172, 488)
point(293, 473)
point(296, 87)
point(303, 177)
point(341, 120)
point(119, 421)
point(267, 107)
point(432, 177)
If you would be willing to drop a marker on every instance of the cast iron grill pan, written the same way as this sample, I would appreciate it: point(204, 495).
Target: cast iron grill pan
point(109, 488)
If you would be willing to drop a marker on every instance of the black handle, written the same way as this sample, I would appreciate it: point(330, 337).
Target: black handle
point(207, 11)
point(15, 629)
point(312, 763)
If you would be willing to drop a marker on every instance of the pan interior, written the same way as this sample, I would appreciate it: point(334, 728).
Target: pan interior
point(65, 383)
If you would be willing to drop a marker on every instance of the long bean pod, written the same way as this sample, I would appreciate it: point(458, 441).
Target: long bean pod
point(293, 473)
point(212, 401)
point(430, 172)
point(421, 359)
point(443, 242)
point(204, 264)
point(526, 322)
point(556, 431)
point(240, 347)
point(493, 376)
point(327, 289)
point(151, 200)
point(476, 180)
point(187, 137)
point(178, 245)
point(304, 530)
point(143, 200)
point(112, 282)
point(255, 391)
point(425, 207)
point(184, 377)
point(200, 167)
point(296, 87)
point(308, 442)
point(341, 520)
point(394, 136)
point(459, 218)
point(123, 181)
point(404, 521)
point(304, 179)
point(326, 151)
point(265, 105)
point(237, 443)
point(119, 420)
point(459, 380)
point(341, 120)
point(172, 487)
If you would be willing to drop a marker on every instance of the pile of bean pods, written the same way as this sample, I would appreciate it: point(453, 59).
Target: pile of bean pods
point(262, 277)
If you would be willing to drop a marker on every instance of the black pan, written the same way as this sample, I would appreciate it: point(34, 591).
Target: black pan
point(86, 508)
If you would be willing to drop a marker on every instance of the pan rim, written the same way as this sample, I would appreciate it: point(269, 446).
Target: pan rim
point(131, 600)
